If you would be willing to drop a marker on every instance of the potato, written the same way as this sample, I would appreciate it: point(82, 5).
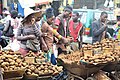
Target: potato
point(50, 71)
point(2, 69)
point(28, 73)
point(42, 67)
point(39, 68)
point(36, 71)
point(24, 64)
point(5, 64)
point(10, 60)
point(12, 63)
point(34, 74)
point(32, 68)
point(5, 68)
point(46, 71)
point(1, 61)
point(40, 72)
point(18, 60)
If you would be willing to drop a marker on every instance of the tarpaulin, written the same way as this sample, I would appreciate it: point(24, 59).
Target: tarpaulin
point(20, 9)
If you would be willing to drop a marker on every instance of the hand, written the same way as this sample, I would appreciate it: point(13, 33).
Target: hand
point(65, 41)
point(45, 48)
point(31, 36)
point(70, 39)
point(105, 23)
point(44, 34)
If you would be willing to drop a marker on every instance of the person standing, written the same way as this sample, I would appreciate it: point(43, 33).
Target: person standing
point(75, 27)
point(99, 28)
point(61, 21)
point(62, 27)
point(116, 34)
point(29, 32)
point(47, 27)
point(13, 22)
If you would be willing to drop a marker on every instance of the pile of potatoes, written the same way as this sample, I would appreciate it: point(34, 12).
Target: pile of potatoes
point(10, 61)
point(75, 56)
point(99, 52)
point(39, 57)
point(98, 58)
point(44, 68)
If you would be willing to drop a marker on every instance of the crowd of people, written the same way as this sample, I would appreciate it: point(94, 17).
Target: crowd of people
point(39, 30)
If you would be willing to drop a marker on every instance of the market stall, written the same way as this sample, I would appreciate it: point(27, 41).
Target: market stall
point(92, 58)
point(15, 66)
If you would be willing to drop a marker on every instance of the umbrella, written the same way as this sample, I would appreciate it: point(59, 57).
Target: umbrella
point(38, 2)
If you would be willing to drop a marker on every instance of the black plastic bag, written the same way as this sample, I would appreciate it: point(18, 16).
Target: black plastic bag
point(3, 42)
point(9, 32)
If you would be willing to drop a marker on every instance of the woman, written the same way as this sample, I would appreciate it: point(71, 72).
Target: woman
point(28, 31)
point(48, 27)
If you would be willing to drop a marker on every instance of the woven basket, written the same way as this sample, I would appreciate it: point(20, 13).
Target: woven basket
point(13, 74)
point(110, 66)
point(82, 70)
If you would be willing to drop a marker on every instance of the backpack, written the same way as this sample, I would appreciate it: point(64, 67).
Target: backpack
point(9, 32)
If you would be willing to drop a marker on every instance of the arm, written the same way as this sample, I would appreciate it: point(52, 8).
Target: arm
point(6, 25)
point(57, 23)
point(96, 31)
point(19, 34)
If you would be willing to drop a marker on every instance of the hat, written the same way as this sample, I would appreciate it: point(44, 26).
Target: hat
point(49, 12)
point(68, 8)
point(6, 12)
point(14, 13)
point(28, 12)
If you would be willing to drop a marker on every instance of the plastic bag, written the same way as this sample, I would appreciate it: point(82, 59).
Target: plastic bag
point(15, 46)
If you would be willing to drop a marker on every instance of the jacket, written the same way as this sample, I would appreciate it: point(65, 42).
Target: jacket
point(97, 31)
point(61, 30)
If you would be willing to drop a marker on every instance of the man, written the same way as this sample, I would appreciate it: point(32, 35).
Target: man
point(75, 27)
point(62, 27)
point(61, 21)
point(99, 28)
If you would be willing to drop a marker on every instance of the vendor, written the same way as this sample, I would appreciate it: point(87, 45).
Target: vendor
point(28, 31)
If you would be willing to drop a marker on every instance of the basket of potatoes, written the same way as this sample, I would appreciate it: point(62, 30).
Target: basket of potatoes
point(42, 69)
point(83, 66)
point(11, 64)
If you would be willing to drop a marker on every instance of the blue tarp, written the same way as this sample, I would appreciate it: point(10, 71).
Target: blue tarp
point(20, 9)
point(12, 7)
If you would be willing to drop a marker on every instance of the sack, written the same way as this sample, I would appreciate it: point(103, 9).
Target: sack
point(3, 42)
point(9, 32)
point(33, 45)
